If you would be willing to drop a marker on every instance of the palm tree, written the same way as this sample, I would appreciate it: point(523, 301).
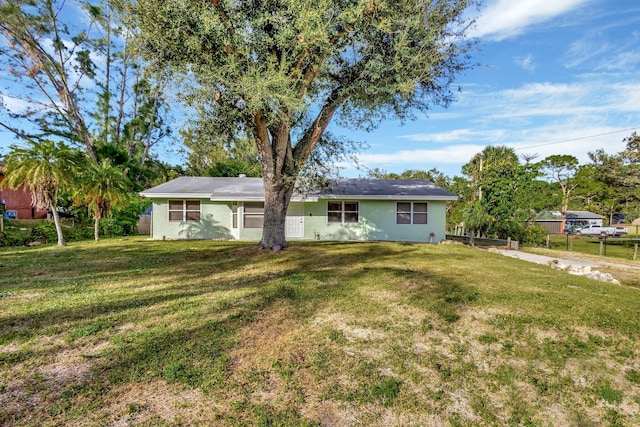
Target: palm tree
point(43, 168)
point(102, 186)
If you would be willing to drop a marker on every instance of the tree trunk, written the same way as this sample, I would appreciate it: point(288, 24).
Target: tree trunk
point(276, 203)
point(96, 228)
point(56, 221)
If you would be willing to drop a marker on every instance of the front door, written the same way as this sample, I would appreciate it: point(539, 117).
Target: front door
point(294, 225)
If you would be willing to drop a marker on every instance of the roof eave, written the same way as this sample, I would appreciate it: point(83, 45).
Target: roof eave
point(387, 197)
point(174, 195)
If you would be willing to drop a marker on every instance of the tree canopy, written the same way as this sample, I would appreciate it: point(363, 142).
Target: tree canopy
point(70, 75)
point(278, 71)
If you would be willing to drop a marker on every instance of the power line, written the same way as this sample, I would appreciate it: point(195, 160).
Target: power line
point(577, 139)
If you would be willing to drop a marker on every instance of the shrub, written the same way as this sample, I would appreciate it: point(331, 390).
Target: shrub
point(13, 238)
point(533, 236)
point(112, 227)
point(124, 220)
point(45, 232)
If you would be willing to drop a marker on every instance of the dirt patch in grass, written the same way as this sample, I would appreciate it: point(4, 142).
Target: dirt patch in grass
point(268, 338)
point(155, 402)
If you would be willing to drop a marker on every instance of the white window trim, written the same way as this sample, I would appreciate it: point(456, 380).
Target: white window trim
point(342, 211)
point(183, 210)
point(412, 212)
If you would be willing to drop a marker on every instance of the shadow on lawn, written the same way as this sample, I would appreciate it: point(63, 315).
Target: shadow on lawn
point(315, 272)
point(194, 348)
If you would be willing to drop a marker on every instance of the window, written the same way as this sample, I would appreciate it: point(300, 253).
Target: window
point(343, 212)
point(411, 213)
point(234, 214)
point(184, 210)
point(253, 214)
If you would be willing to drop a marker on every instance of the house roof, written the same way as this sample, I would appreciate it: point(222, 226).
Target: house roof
point(251, 189)
point(571, 215)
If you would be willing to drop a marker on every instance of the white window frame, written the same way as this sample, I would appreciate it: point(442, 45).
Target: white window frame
point(343, 212)
point(184, 210)
point(412, 213)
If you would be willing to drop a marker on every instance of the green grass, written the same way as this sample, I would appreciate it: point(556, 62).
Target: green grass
point(615, 247)
point(134, 332)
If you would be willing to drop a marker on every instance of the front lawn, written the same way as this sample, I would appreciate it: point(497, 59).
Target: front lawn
point(134, 332)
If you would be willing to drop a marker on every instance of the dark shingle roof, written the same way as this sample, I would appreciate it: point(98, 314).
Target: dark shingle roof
point(571, 215)
point(252, 189)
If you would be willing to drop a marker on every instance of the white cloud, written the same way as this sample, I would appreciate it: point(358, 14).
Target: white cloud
point(452, 154)
point(13, 104)
point(562, 138)
point(621, 61)
point(582, 51)
point(525, 62)
point(507, 18)
point(456, 135)
point(594, 97)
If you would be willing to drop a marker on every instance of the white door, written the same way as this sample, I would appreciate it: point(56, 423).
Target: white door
point(294, 226)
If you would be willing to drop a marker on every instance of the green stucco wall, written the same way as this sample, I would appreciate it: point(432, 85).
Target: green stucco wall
point(215, 223)
point(377, 222)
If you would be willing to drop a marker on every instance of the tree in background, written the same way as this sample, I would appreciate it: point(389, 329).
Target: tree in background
point(613, 180)
point(208, 155)
point(561, 169)
point(278, 71)
point(100, 187)
point(506, 190)
point(45, 169)
point(432, 175)
point(476, 219)
point(69, 73)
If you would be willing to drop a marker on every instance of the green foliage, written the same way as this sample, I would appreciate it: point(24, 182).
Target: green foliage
point(13, 238)
point(277, 72)
point(633, 375)
point(45, 232)
point(52, 55)
point(476, 217)
point(433, 175)
point(501, 195)
point(110, 227)
point(611, 184)
point(386, 391)
point(124, 220)
point(44, 169)
point(100, 187)
point(531, 235)
point(561, 169)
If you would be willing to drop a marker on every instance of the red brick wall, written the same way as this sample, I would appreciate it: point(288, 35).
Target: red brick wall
point(20, 201)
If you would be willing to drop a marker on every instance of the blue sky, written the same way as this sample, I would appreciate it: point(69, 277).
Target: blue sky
point(555, 77)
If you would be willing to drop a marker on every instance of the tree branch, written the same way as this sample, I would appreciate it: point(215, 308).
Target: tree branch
point(314, 132)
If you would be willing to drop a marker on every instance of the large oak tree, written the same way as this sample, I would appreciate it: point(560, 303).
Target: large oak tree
point(278, 71)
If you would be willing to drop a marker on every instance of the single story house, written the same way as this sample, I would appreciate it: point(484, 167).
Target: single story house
point(553, 222)
point(348, 209)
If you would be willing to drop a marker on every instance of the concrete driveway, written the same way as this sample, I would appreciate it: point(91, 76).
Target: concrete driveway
point(582, 266)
